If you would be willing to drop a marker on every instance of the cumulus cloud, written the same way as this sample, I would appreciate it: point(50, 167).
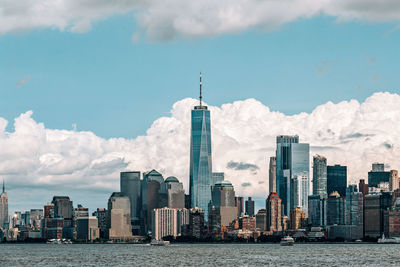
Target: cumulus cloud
point(350, 133)
point(168, 19)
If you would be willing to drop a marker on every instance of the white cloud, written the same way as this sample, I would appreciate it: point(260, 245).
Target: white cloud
point(168, 19)
point(349, 132)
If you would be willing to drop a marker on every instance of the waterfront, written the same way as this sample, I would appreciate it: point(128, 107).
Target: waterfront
point(199, 254)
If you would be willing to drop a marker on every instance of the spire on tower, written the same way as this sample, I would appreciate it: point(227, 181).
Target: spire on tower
point(200, 90)
point(3, 187)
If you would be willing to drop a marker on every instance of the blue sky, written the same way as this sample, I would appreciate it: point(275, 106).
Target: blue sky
point(104, 82)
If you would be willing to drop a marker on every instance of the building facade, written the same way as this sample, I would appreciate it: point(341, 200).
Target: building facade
point(176, 193)
point(130, 186)
point(4, 209)
point(337, 179)
point(119, 217)
point(168, 222)
point(272, 174)
point(273, 206)
point(320, 176)
point(249, 205)
point(335, 209)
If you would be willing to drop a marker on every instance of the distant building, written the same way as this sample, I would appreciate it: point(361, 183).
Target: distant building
point(335, 209)
point(200, 176)
point(392, 222)
point(51, 225)
point(274, 213)
point(4, 209)
point(101, 215)
point(394, 180)
point(80, 211)
point(130, 185)
point(119, 217)
point(168, 222)
point(272, 174)
point(63, 208)
point(247, 222)
point(223, 205)
point(316, 211)
point(239, 204)
point(354, 212)
point(217, 177)
point(261, 220)
point(363, 187)
point(195, 227)
point(320, 176)
point(378, 175)
point(176, 193)
point(297, 218)
point(36, 215)
point(249, 207)
point(87, 228)
point(373, 221)
point(337, 179)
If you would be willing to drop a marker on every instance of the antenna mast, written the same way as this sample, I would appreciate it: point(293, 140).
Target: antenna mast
point(200, 90)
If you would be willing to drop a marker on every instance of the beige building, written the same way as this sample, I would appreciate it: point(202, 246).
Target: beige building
point(394, 180)
point(297, 218)
point(87, 228)
point(273, 206)
point(168, 222)
point(119, 217)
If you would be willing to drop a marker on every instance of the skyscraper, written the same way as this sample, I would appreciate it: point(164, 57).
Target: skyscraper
point(272, 174)
point(217, 177)
point(176, 193)
point(249, 207)
point(354, 213)
point(130, 185)
point(3, 208)
point(292, 172)
point(319, 176)
point(394, 180)
point(337, 179)
point(378, 175)
point(335, 209)
point(200, 158)
point(273, 212)
point(119, 216)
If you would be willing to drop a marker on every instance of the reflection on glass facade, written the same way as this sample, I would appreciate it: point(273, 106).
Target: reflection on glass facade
point(300, 172)
point(200, 159)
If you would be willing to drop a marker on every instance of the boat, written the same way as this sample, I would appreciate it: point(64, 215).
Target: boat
point(392, 240)
point(287, 241)
point(159, 243)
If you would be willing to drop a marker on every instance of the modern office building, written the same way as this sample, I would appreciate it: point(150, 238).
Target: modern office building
point(316, 211)
point(87, 228)
point(249, 204)
point(101, 215)
point(372, 216)
point(272, 175)
point(223, 204)
point(337, 179)
point(261, 220)
point(239, 204)
point(130, 186)
point(378, 175)
point(168, 222)
point(217, 177)
point(119, 217)
point(176, 193)
point(63, 208)
point(273, 206)
point(320, 176)
point(354, 210)
point(51, 225)
point(4, 209)
point(154, 195)
point(394, 180)
point(297, 218)
point(200, 157)
point(335, 209)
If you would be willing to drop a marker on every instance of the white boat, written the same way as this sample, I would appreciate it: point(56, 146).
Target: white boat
point(287, 241)
point(159, 243)
point(392, 240)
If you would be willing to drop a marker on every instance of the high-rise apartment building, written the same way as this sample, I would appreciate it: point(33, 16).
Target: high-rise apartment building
point(249, 204)
point(168, 222)
point(200, 157)
point(130, 186)
point(273, 206)
point(337, 179)
point(320, 176)
point(272, 174)
point(3, 208)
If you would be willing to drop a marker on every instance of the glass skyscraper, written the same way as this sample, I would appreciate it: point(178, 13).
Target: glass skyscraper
point(200, 158)
point(319, 176)
point(337, 179)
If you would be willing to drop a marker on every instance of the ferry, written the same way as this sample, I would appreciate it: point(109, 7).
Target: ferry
point(287, 241)
point(392, 240)
point(159, 243)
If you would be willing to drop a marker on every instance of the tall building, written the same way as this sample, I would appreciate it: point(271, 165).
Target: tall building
point(87, 228)
point(378, 175)
point(63, 208)
point(335, 209)
point(4, 209)
point(168, 222)
point(316, 211)
point(176, 193)
point(337, 179)
point(320, 176)
point(372, 216)
point(273, 206)
point(354, 212)
point(154, 195)
point(223, 204)
point(297, 218)
point(130, 186)
point(239, 204)
point(195, 227)
point(292, 172)
point(51, 225)
point(261, 220)
point(200, 158)
point(249, 207)
point(217, 177)
point(272, 174)
point(119, 217)
point(394, 180)
point(101, 215)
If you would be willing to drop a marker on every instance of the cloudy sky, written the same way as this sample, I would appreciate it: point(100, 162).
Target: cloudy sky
point(91, 88)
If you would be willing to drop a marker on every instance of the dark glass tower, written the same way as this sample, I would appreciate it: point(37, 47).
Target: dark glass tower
point(337, 179)
point(200, 158)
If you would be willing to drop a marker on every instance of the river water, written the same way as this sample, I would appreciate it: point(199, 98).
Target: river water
point(199, 255)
